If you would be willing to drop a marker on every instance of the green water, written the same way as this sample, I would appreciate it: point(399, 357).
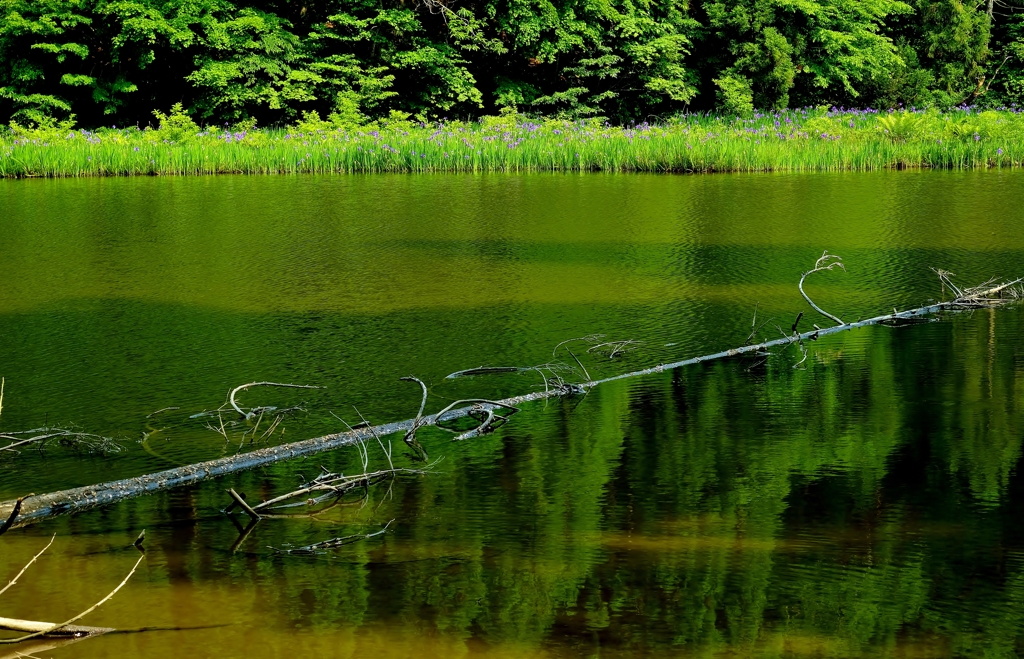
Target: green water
point(868, 503)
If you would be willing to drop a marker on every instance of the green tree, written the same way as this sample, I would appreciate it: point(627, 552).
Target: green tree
point(771, 54)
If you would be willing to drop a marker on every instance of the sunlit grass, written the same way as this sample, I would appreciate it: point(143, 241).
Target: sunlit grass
point(799, 140)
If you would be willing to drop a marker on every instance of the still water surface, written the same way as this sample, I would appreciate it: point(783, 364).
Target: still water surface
point(869, 503)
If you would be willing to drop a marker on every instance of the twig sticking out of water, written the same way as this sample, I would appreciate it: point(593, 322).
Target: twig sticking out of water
point(27, 565)
point(484, 370)
point(946, 278)
point(62, 627)
point(256, 410)
point(9, 522)
point(410, 437)
point(220, 430)
point(615, 348)
point(825, 262)
point(241, 502)
point(161, 411)
point(589, 338)
point(983, 295)
point(480, 407)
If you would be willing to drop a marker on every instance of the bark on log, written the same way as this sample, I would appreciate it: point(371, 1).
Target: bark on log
point(33, 626)
point(40, 507)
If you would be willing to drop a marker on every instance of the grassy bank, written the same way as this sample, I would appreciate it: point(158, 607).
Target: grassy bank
point(799, 140)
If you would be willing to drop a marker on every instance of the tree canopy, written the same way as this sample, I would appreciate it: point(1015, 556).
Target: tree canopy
point(115, 61)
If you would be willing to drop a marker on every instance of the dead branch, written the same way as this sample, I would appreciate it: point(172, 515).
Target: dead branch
point(616, 347)
point(410, 437)
point(273, 426)
point(387, 451)
point(484, 370)
point(578, 363)
point(478, 405)
point(241, 502)
point(825, 262)
point(50, 628)
point(219, 430)
point(329, 486)
point(589, 338)
point(754, 327)
point(60, 626)
point(983, 295)
point(27, 566)
point(256, 410)
point(161, 411)
point(10, 519)
point(69, 437)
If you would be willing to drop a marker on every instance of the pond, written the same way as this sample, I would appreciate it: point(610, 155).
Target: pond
point(865, 502)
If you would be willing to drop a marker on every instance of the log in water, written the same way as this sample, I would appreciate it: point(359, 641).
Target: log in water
point(45, 506)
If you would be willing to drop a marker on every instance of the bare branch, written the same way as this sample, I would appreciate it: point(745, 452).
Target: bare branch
point(27, 565)
point(483, 370)
point(59, 626)
point(825, 262)
point(590, 338)
point(9, 522)
point(410, 437)
point(161, 411)
point(254, 411)
point(241, 502)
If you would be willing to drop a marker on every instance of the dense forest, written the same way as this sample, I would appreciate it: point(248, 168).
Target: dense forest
point(112, 62)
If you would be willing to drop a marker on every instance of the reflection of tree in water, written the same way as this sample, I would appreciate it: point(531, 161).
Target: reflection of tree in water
point(867, 505)
point(849, 509)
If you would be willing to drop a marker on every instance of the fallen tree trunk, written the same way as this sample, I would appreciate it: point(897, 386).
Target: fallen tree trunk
point(48, 629)
point(45, 506)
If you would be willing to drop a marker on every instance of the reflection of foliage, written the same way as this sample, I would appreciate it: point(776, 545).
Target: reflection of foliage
point(849, 508)
point(715, 509)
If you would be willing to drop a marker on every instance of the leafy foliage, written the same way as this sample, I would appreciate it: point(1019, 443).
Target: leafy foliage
point(352, 61)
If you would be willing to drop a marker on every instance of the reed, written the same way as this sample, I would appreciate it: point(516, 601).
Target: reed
point(797, 140)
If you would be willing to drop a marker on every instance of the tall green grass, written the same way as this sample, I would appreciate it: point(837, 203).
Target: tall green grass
point(799, 140)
